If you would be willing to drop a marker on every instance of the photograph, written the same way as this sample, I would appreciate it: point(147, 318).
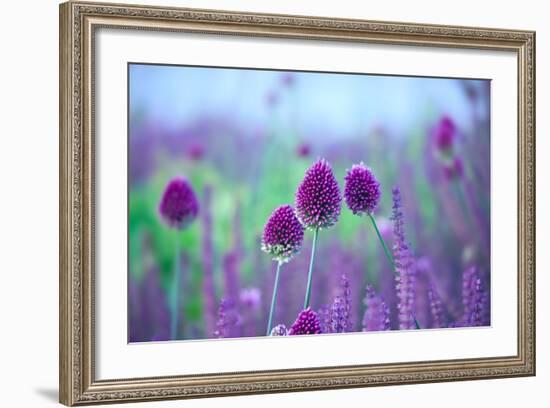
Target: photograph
point(281, 203)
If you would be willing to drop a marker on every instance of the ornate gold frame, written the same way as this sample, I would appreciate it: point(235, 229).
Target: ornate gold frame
point(78, 22)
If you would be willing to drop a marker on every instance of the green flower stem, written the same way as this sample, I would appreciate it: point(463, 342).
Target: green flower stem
point(310, 273)
point(386, 250)
point(175, 292)
point(273, 298)
point(388, 255)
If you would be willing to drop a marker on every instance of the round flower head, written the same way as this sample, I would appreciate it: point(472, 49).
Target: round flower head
point(361, 190)
point(444, 134)
point(307, 322)
point(318, 197)
point(178, 206)
point(283, 234)
point(279, 330)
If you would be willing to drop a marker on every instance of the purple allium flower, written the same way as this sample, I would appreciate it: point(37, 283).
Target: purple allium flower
point(283, 234)
point(361, 190)
point(404, 267)
point(444, 134)
point(377, 312)
point(279, 330)
point(436, 308)
point(178, 206)
point(318, 198)
point(307, 322)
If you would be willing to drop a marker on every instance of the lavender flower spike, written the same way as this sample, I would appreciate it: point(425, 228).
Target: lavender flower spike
point(361, 190)
point(283, 234)
point(338, 318)
point(307, 322)
point(228, 319)
point(178, 208)
point(474, 298)
point(318, 203)
point(377, 312)
point(282, 238)
point(325, 318)
point(340, 313)
point(318, 198)
point(404, 267)
point(436, 308)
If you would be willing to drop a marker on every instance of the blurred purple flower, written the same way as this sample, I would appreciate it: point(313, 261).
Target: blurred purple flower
point(250, 303)
point(307, 322)
point(453, 169)
point(318, 198)
point(288, 79)
point(325, 319)
point(377, 312)
point(250, 298)
point(444, 134)
point(279, 330)
point(404, 267)
point(178, 206)
point(283, 234)
point(361, 190)
point(303, 150)
point(195, 151)
point(228, 319)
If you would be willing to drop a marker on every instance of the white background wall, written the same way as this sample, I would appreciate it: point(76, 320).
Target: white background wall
point(29, 191)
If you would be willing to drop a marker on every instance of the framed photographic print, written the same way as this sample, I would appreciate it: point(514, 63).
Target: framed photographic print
point(256, 203)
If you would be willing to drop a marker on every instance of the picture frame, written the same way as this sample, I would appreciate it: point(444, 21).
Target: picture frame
point(79, 25)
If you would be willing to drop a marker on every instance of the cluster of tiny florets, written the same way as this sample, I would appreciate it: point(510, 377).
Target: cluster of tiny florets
point(279, 330)
point(362, 190)
point(283, 234)
point(318, 198)
point(307, 322)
